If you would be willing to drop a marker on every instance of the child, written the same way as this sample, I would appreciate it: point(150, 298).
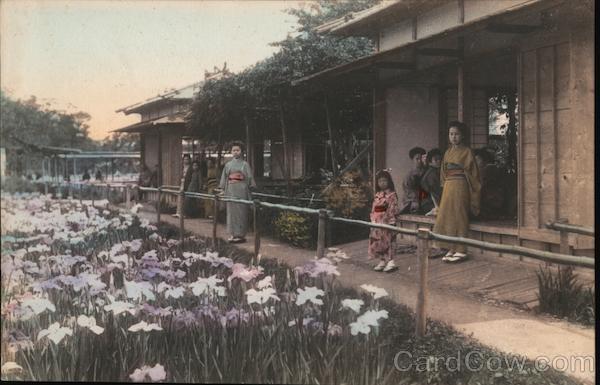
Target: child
point(236, 181)
point(384, 211)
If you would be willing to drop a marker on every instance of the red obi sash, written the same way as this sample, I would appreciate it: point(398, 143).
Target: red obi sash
point(236, 177)
point(380, 209)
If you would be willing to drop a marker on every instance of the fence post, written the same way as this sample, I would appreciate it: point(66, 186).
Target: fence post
point(93, 190)
point(181, 215)
point(215, 214)
point(81, 193)
point(321, 233)
point(128, 196)
point(158, 206)
point(329, 237)
point(423, 236)
point(108, 192)
point(564, 237)
point(45, 188)
point(70, 191)
point(256, 218)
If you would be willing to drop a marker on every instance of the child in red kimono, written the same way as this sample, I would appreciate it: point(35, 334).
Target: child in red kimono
point(384, 211)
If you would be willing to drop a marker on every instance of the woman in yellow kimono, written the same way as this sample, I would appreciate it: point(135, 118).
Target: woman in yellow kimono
point(459, 178)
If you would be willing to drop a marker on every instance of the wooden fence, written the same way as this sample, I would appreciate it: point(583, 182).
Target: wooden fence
point(325, 217)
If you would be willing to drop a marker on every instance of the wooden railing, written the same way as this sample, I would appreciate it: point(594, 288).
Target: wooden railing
point(424, 237)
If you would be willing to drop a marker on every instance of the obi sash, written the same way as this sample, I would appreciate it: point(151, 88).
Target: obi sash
point(235, 177)
point(380, 209)
point(459, 173)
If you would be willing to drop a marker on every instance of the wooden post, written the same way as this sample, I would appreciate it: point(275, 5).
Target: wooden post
point(181, 216)
point(80, 193)
point(332, 147)
point(329, 237)
point(128, 196)
point(564, 238)
point(215, 214)
point(256, 218)
point(159, 144)
point(108, 192)
point(93, 190)
point(249, 149)
point(321, 233)
point(423, 262)
point(158, 199)
point(286, 163)
point(45, 188)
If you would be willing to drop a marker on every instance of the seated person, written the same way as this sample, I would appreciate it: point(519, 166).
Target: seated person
point(430, 182)
point(411, 184)
point(493, 194)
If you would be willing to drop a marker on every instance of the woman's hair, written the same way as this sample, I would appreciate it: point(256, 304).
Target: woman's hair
point(237, 143)
point(196, 161)
point(460, 125)
point(386, 175)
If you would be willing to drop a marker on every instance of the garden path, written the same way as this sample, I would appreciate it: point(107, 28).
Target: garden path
point(471, 296)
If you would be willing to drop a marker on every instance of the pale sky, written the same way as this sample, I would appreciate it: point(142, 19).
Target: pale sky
point(99, 56)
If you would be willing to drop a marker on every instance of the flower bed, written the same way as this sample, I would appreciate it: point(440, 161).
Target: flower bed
point(96, 295)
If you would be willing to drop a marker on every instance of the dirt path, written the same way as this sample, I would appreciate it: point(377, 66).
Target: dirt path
point(504, 328)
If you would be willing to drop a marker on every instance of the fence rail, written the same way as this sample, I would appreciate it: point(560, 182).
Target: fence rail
point(424, 236)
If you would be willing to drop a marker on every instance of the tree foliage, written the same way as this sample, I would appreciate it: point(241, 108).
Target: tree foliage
point(26, 122)
point(219, 111)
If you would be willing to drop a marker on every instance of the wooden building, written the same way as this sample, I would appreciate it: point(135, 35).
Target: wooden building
point(161, 130)
point(165, 137)
point(442, 60)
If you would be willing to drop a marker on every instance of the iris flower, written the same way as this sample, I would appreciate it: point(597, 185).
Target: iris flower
point(365, 321)
point(261, 296)
point(89, 323)
point(157, 373)
point(55, 333)
point(208, 286)
point(239, 270)
point(309, 294)
point(354, 304)
point(38, 305)
point(377, 292)
point(143, 326)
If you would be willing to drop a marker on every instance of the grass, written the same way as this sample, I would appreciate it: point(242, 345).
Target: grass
point(259, 343)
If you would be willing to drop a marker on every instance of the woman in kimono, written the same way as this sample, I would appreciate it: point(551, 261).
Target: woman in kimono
point(459, 178)
point(384, 211)
point(192, 205)
point(236, 181)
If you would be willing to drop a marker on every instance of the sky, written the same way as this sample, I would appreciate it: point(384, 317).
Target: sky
point(98, 56)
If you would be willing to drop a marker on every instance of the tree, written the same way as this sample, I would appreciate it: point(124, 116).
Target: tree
point(218, 112)
point(26, 126)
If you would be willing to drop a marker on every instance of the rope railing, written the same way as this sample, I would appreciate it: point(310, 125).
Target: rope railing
point(288, 198)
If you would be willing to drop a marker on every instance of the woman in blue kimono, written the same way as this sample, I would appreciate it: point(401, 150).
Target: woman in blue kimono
point(236, 181)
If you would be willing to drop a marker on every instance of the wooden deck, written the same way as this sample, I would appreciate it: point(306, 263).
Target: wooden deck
point(484, 275)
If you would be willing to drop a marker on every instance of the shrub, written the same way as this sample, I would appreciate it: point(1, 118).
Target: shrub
point(295, 228)
point(560, 294)
point(14, 184)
